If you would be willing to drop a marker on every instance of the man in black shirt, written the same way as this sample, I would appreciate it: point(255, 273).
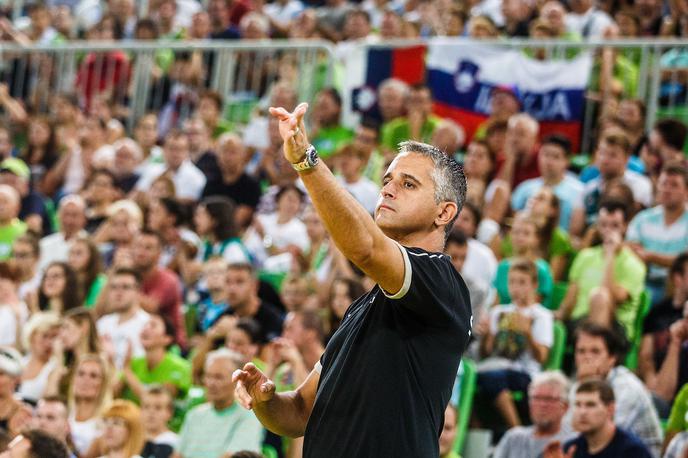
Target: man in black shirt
point(593, 418)
point(382, 385)
point(232, 181)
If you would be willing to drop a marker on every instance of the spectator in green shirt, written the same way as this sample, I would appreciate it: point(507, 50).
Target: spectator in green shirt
point(418, 124)
point(10, 226)
point(328, 134)
point(606, 280)
point(159, 365)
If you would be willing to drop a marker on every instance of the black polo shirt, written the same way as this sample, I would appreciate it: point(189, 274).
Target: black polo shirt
point(387, 373)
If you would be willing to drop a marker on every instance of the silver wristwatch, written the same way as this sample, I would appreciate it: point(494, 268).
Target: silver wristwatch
point(310, 161)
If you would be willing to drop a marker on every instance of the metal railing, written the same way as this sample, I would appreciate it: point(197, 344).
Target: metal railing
point(133, 77)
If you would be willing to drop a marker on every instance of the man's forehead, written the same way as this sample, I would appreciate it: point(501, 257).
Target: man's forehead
point(411, 163)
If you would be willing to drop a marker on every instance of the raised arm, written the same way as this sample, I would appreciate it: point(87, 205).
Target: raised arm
point(351, 228)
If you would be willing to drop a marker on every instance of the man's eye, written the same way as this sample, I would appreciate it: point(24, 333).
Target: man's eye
point(409, 185)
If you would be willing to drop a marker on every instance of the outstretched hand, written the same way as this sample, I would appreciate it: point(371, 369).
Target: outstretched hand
point(293, 131)
point(252, 386)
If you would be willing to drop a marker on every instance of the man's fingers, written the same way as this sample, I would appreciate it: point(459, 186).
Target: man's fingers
point(300, 111)
point(279, 112)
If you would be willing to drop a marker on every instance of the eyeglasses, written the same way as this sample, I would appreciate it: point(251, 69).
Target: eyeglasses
point(121, 286)
point(548, 399)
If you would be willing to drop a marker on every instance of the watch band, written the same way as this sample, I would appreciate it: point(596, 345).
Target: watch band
point(310, 161)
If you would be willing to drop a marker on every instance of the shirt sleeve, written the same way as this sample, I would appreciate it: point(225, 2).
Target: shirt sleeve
point(432, 289)
point(543, 328)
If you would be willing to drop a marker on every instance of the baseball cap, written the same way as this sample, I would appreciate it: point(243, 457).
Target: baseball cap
point(15, 166)
point(10, 361)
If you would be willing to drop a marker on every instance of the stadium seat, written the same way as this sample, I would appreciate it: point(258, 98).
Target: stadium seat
point(556, 353)
point(468, 386)
point(269, 451)
point(558, 293)
point(645, 305)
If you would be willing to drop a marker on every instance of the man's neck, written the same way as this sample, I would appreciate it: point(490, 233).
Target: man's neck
point(223, 404)
point(231, 177)
point(547, 430)
point(128, 314)
point(248, 308)
point(218, 296)
point(428, 241)
point(154, 356)
point(149, 271)
point(6, 222)
point(69, 235)
point(672, 214)
point(598, 440)
point(552, 180)
point(352, 179)
point(153, 433)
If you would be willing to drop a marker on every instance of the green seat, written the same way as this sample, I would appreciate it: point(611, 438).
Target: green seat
point(556, 353)
point(645, 305)
point(468, 386)
point(269, 451)
point(558, 294)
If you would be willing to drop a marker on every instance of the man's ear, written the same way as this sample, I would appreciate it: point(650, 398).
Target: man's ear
point(446, 211)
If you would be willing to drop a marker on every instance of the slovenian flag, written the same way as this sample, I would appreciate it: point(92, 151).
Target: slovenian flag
point(463, 76)
point(367, 67)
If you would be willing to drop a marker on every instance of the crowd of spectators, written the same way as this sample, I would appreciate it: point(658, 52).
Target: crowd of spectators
point(139, 267)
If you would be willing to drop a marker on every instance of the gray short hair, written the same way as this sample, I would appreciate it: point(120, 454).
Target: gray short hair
point(552, 378)
point(396, 84)
point(225, 353)
point(450, 181)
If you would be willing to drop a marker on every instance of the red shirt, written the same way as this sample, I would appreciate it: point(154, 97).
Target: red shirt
point(164, 287)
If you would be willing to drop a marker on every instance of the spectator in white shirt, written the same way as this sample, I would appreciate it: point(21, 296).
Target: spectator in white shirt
point(72, 217)
point(350, 163)
point(586, 20)
point(188, 180)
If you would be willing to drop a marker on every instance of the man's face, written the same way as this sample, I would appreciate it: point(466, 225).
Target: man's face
point(293, 330)
point(590, 414)
point(146, 132)
point(609, 223)
point(391, 102)
point(611, 160)
point(350, 163)
point(52, 417)
point(326, 109)
point(365, 139)
point(521, 285)
point(672, 191)
point(448, 431)
point(592, 357)
point(153, 334)
point(466, 221)
point(217, 380)
point(521, 137)
point(231, 155)
point(419, 100)
point(123, 292)
point(175, 152)
point(5, 144)
point(457, 253)
point(72, 218)
point(547, 407)
point(407, 199)
point(241, 286)
point(552, 160)
point(146, 251)
point(8, 206)
point(155, 411)
point(197, 134)
point(503, 105)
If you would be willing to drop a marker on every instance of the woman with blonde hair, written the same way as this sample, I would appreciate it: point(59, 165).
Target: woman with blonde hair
point(89, 394)
point(123, 432)
point(38, 337)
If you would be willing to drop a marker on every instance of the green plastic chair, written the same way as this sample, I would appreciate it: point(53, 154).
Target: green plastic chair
point(468, 386)
point(269, 451)
point(556, 353)
point(645, 305)
point(558, 294)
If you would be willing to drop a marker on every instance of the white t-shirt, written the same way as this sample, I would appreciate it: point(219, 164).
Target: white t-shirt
point(480, 263)
point(590, 24)
point(188, 180)
point(54, 248)
point(32, 390)
point(542, 330)
point(167, 438)
point(84, 433)
point(365, 191)
point(8, 323)
point(123, 334)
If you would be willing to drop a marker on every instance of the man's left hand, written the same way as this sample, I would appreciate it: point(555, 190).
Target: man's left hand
point(293, 131)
